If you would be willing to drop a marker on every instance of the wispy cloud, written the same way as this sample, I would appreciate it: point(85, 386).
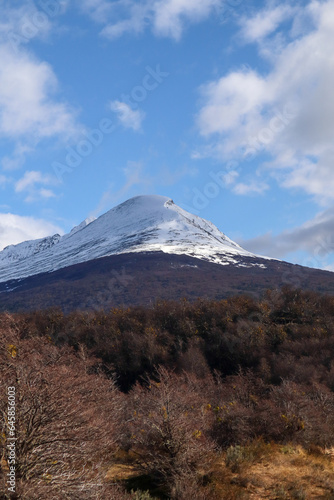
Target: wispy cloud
point(99, 10)
point(265, 22)
point(250, 188)
point(138, 181)
point(164, 17)
point(127, 116)
point(18, 157)
point(17, 24)
point(316, 237)
point(170, 16)
point(33, 183)
point(134, 177)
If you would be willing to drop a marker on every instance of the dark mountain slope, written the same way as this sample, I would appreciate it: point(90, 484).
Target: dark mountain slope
point(142, 278)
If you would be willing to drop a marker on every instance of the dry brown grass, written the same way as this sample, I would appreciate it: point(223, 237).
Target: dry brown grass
point(120, 472)
point(273, 472)
point(280, 472)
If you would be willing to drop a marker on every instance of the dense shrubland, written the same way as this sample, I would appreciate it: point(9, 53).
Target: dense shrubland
point(166, 391)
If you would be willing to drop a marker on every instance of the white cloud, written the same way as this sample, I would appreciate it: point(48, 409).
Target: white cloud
point(264, 22)
point(30, 107)
point(30, 179)
point(171, 15)
point(128, 117)
point(31, 183)
point(46, 193)
point(16, 228)
point(27, 106)
point(164, 17)
point(132, 17)
point(287, 112)
point(314, 177)
point(230, 101)
point(250, 188)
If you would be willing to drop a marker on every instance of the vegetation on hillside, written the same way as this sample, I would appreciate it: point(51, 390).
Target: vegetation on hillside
point(181, 400)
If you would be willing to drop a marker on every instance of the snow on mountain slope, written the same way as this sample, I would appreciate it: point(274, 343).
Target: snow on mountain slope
point(141, 224)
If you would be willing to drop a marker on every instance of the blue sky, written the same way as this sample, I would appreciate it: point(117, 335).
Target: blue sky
point(225, 106)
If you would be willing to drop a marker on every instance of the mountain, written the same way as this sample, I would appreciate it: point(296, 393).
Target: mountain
point(141, 224)
point(144, 249)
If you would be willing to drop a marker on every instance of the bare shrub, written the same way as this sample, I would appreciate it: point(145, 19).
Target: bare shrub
point(65, 417)
point(166, 427)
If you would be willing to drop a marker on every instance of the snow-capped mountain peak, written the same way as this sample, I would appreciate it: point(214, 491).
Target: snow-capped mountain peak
point(141, 224)
point(83, 224)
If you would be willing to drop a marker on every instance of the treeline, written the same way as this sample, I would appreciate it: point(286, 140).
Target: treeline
point(165, 389)
point(287, 335)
